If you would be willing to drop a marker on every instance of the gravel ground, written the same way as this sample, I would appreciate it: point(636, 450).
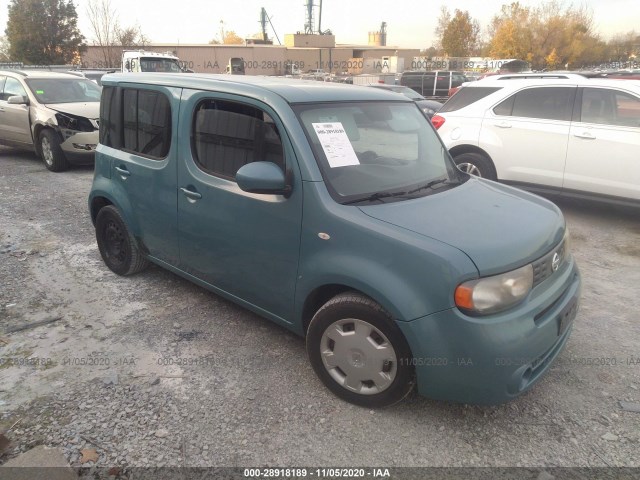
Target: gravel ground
point(152, 370)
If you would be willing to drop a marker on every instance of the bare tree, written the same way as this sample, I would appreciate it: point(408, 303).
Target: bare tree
point(4, 49)
point(443, 22)
point(108, 34)
point(104, 24)
point(131, 37)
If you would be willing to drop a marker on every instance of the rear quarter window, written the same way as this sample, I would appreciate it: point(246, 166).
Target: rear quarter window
point(466, 96)
point(108, 119)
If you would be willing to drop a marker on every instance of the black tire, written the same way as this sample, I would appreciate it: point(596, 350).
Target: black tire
point(117, 246)
point(476, 164)
point(365, 315)
point(50, 151)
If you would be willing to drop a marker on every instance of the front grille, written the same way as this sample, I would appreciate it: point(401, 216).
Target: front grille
point(543, 267)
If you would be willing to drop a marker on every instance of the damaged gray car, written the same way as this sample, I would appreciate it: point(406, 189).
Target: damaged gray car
point(52, 114)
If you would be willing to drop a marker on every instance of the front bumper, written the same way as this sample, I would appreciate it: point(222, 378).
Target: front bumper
point(490, 360)
point(80, 147)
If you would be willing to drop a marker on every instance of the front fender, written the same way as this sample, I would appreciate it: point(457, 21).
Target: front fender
point(409, 274)
point(408, 284)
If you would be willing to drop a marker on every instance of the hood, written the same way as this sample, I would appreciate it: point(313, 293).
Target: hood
point(499, 227)
point(79, 109)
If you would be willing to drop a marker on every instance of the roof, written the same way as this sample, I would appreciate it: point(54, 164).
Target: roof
point(291, 90)
point(36, 73)
point(518, 81)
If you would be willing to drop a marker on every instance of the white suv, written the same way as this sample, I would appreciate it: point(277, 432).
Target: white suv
point(561, 133)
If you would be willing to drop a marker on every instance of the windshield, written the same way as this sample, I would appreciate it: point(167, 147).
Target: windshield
point(64, 90)
point(151, 64)
point(376, 150)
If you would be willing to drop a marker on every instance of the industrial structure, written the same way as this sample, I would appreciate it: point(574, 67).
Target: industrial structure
point(312, 49)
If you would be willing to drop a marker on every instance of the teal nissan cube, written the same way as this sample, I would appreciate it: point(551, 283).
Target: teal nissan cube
point(336, 211)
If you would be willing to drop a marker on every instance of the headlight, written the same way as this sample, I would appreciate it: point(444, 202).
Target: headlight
point(494, 294)
point(73, 122)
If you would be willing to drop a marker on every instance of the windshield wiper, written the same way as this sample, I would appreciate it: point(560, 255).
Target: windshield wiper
point(431, 184)
point(378, 196)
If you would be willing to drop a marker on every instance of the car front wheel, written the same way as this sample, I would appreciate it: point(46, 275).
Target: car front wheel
point(476, 164)
point(51, 152)
point(359, 353)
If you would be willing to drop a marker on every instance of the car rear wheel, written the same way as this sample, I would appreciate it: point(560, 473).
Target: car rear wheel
point(117, 246)
point(359, 353)
point(476, 164)
point(51, 152)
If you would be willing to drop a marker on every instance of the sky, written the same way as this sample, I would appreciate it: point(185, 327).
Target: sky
point(410, 23)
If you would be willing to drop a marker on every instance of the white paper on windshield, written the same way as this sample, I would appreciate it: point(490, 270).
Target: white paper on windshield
point(336, 144)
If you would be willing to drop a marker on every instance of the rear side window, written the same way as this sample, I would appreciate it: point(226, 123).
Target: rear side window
point(146, 120)
point(551, 103)
point(610, 107)
point(467, 96)
point(228, 135)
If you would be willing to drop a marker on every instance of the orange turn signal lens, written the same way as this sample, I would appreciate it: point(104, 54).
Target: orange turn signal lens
point(464, 297)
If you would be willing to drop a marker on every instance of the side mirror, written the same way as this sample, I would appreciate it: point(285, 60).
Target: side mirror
point(127, 66)
point(262, 177)
point(17, 100)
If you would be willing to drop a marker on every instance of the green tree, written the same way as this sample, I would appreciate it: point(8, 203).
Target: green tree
point(44, 32)
point(460, 36)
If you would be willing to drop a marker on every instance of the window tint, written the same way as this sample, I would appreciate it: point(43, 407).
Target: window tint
point(467, 96)
point(610, 107)
point(2, 80)
point(108, 119)
point(13, 87)
point(228, 135)
point(146, 122)
point(552, 103)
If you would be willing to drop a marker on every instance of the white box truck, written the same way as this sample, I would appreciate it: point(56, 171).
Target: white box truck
point(144, 61)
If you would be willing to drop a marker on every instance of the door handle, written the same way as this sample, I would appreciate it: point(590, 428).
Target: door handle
point(587, 135)
point(190, 194)
point(123, 171)
point(503, 125)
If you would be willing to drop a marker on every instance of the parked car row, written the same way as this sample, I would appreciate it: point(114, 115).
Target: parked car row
point(357, 230)
point(435, 84)
point(559, 133)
